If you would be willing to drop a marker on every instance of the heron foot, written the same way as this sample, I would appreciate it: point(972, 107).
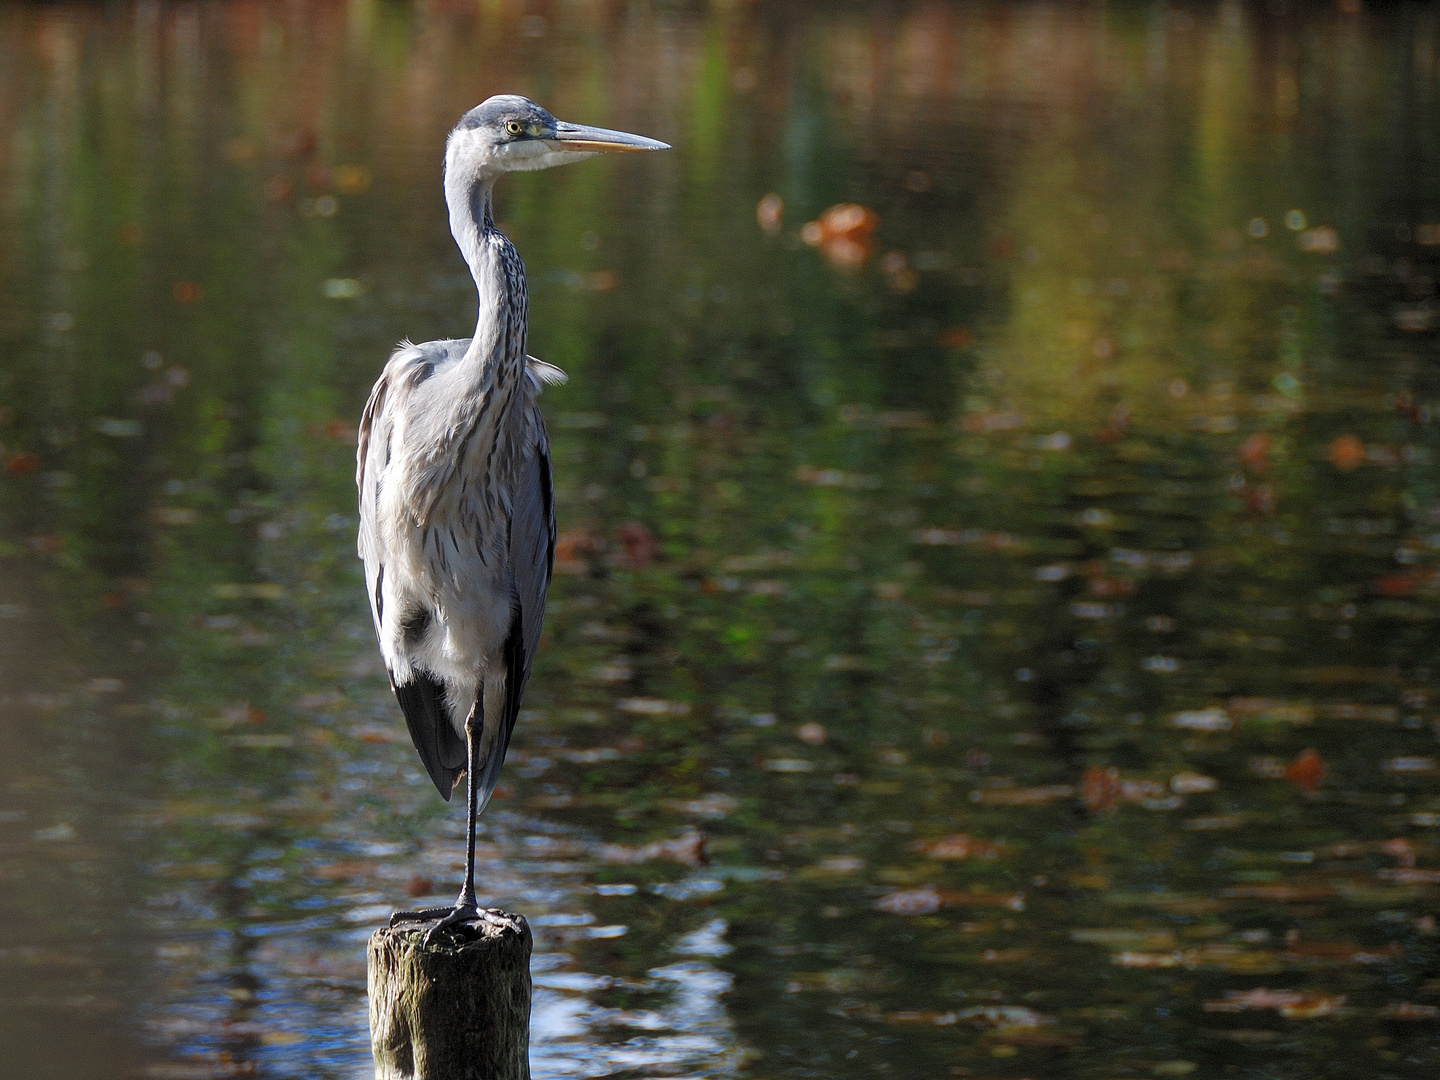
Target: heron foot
point(459, 919)
point(459, 915)
point(422, 915)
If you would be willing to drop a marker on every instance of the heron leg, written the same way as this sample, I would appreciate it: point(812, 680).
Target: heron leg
point(467, 909)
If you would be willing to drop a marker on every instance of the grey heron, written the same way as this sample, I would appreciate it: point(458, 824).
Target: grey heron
point(457, 523)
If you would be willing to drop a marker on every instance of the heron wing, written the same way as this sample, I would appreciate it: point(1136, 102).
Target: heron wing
point(532, 553)
point(532, 538)
point(422, 697)
point(370, 458)
point(442, 751)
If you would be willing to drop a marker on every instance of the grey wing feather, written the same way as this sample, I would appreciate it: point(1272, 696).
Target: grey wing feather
point(422, 699)
point(370, 458)
point(532, 551)
point(442, 751)
point(532, 543)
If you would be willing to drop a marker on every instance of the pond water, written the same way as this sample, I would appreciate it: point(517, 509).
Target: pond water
point(995, 629)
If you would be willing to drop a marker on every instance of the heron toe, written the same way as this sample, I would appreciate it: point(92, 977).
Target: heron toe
point(423, 915)
point(458, 916)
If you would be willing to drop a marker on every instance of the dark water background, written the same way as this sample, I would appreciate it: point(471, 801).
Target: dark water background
point(1001, 647)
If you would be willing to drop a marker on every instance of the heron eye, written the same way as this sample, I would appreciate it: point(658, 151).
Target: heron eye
point(514, 127)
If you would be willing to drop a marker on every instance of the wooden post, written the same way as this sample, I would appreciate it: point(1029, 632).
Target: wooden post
point(458, 1009)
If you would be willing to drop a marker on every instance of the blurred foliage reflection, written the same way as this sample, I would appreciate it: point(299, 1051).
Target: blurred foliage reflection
point(996, 617)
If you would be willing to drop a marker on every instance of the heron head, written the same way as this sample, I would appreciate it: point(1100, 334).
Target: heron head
point(509, 133)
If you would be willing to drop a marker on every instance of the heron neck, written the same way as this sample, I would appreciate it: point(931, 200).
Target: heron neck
point(470, 220)
point(473, 226)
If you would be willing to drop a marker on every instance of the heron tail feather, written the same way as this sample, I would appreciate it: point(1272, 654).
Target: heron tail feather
point(441, 749)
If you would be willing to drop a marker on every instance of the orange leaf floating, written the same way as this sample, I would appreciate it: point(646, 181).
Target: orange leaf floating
point(1406, 1010)
point(570, 551)
point(688, 849)
point(1100, 788)
point(638, 546)
point(957, 846)
point(1347, 453)
point(1255, 452)
point(21, 463)
point(842, 233)
point(1291, 1004)
point(1259, 499)
point(1407, 582)
point(1307, 769)
point(187, 292)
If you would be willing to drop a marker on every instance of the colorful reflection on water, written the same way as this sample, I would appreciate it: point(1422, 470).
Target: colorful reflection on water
point(996, 625)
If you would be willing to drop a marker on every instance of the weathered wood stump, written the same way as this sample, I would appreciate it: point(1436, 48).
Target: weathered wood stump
point(457, 1009)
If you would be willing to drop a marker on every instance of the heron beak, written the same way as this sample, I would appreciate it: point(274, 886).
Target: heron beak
point(581, 139)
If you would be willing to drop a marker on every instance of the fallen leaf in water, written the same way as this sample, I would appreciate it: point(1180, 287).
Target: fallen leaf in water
point(1291, 1004)
point(843, 233)
point(638, 546)
point(955, 847)
point(1255, 452)
point(688, 850)
point(1346, 452)
point(812, 734)
point(910, 902)
point(956, 337)
point(1405, 1010)
point(339, 871)
point(1100, 788)
point(570, 550)
point(849, 220)
point(1307, 770)
point(991, 421)
point(21, 463)
point(1405, 582)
